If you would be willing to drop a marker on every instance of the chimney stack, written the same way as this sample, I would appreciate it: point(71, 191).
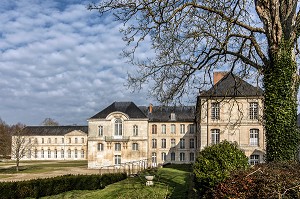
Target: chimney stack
point(218, 76)
point(150, 108)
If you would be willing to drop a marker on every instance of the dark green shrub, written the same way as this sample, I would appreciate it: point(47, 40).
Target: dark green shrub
point(52, 186)
point(215, 163)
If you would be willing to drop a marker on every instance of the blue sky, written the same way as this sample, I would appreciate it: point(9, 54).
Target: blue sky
point(60, 60)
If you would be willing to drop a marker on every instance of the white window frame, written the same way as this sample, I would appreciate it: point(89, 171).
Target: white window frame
point(182, 143)
point(182, 129)
point(118, 147)
point(135, 146)
point(253, 110)
point(100, 131)
point(118, 127)
point(181, 156)
point(215, 136)
point(215, 110)
point(163, 129)
point(173, 142)
point(100, 147)
point(163, 157)
point(135, 130)
point(254, 159)
point(173, 129)
point(154, 143)
point(254, 137)
point(117, 159)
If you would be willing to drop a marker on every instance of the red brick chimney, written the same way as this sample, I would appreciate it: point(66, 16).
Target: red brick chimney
point(150, 108)
point(218, 76)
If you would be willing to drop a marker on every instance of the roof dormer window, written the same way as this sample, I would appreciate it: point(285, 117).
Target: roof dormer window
point(173, 116)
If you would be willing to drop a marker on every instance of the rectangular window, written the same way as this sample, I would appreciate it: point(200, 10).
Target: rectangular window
point(100, 147)
point(154, 143)
point(173, 156)
point(76, 140)
point(42, 153)
point(163, 129)
point(182, 129)
point(215, 136)
point(182, 143)
point(117, 147)
point(154, 129)
point(254, 159)
point(173, 128)
point(82, 153)
point(35, 153)
point(192, 128)
point(135, 146)
point(55, 153)
point(253, 111)
point(182, 157)
point(173, 116)
point(62, 140)
point(117, 159)
point(49, 153)
point(192, 157)
point(69, 153)
point(55, 140)
point(163, 143)
point(70, 140)
point(29, 154)
point(135, 130)
point(154, 157)
point(100, 131)
point(62, 153)
point(49, 140)
point(76, 153)
point(35, 140)
point(173, 142)
point(215, 111)
point(82, 140)
point(192, 143)
point(254, 137)
point(163, 156)
point(42, 140)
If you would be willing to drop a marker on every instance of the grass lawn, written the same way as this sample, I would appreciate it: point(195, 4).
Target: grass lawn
point(39, 166)
point(168, 183)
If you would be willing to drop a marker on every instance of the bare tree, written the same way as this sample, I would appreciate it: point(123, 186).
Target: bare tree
point(192, 38)
point(49, 122)
point(21, 145)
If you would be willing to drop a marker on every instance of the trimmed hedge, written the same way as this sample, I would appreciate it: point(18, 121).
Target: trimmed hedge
point(52, 186)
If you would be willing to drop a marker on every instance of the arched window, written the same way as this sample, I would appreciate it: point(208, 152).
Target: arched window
point(135, 130)
point(118, 127)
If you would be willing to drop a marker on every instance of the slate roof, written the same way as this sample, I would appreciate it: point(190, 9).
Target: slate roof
point(52, 130)
point(128, 108)
point(232, 86)
point(163, 113)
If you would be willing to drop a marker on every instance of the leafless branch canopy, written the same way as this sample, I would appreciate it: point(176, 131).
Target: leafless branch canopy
point(192, 37)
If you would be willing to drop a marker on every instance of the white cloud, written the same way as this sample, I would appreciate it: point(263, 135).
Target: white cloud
point(60, 61)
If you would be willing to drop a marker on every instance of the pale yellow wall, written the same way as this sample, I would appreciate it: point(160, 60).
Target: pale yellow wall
point(234, 123)
point(168, 136)
point(105, 158)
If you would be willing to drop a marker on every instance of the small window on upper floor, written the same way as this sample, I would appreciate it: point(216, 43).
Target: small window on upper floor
point(154, 129)
point(163, 129)
point(215, 110)
point(76, 140)
point(117, 147)
point(100, 131)
point(55, 140)
point(173, 128)
point(182, 129)
point(70, 140)
point(82, 140)
point(100, 147)
point(173, 116)
point(42, 140)
point(192, 128)
point(118, 127)
point(253, 110)
point(135, 130)
point(49, 140)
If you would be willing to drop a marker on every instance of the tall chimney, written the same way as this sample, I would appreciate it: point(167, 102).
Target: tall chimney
point(150, 108)
point(218, 76)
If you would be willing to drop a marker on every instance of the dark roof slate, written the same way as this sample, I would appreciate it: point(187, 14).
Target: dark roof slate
point(52, 130)
point(163, 113)
point(232, 86)
point(128, 108)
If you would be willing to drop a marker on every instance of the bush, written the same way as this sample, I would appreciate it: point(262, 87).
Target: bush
point(52, 186)
point(215, 163)
point(271, 180)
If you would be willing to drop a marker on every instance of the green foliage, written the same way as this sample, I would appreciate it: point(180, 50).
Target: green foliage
point(56, 185)
point(215, 163)
point(280, 105)
point(272, 180)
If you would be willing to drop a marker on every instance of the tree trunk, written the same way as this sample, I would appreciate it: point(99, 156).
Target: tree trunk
point(17, 164)
point(280, 112)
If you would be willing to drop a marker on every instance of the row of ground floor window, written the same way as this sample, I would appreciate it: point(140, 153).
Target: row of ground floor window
point(56, 154)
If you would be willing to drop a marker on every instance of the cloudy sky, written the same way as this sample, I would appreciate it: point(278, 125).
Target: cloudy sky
point(60, 60)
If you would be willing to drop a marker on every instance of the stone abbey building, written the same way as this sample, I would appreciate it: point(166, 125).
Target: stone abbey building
point(126, 134)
